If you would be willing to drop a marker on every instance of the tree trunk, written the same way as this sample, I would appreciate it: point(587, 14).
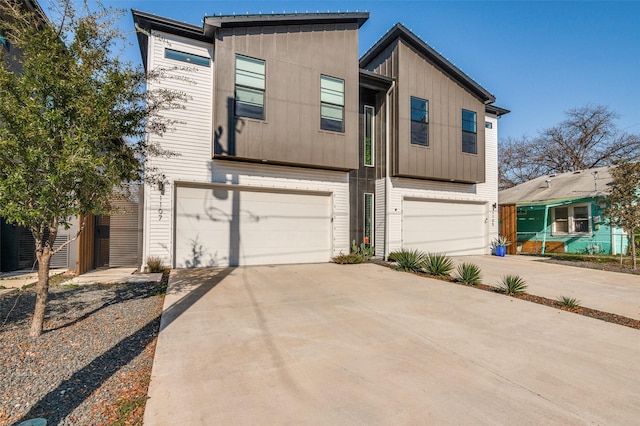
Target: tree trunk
point(42, 290)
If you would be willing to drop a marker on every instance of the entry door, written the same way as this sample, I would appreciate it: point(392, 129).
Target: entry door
point(102, 241)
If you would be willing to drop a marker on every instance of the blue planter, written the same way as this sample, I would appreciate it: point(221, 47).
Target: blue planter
point(501, 251)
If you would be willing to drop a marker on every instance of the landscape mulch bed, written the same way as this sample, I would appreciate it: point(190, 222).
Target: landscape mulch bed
point(581, 310)
point(92, 364)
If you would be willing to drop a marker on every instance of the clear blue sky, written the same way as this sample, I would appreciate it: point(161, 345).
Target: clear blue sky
point(538, 58)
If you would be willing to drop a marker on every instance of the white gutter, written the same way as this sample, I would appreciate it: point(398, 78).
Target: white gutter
point(387, 178)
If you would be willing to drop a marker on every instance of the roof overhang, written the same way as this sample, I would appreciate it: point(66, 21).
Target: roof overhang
point(399, 31)
point(271, 20)
point(373, 81)
point(146, 22)
point(496, 110)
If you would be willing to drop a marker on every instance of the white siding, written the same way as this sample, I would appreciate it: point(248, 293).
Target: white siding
point(427, 190)
point(489, 189)
point(380, 217)
point(192, 140)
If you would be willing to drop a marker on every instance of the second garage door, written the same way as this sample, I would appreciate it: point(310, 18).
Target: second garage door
point(444, 227)
point(222, 226)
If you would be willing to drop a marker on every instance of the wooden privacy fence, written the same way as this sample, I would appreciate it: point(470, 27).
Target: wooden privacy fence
point(508, 225)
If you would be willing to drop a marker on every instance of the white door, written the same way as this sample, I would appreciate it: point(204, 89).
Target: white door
point(226, 226)
point(444, 227)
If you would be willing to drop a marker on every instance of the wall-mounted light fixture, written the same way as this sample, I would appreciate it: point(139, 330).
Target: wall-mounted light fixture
point(161, 184)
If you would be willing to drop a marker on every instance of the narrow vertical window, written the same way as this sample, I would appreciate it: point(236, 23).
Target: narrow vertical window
point(561, 220)
point(469, 132)
point(331, 104)
point(369, 114)
point(419, 121)
point(250, 87)
point(368, 219)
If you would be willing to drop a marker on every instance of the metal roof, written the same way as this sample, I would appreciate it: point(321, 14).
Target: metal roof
point(559, 187)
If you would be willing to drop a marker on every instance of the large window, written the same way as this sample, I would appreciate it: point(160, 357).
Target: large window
point(571, 219)
point(331, 104)
point(369, 114)
point(419, 121)
point(250, 87)
point(469, 132)
point(368, 219)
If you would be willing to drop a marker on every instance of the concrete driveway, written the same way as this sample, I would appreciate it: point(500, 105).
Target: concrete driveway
point(614, 292)
point(363, 344)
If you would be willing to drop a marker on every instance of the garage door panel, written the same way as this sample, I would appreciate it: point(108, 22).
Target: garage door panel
point(221, 227)
point(444, 227)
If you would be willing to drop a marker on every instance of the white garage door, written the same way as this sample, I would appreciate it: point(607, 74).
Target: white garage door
point(444, 227)
point(221, 226)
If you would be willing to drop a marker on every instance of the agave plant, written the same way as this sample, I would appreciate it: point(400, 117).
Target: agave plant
point(513, 285)
point(468, 273)
point(409, 260)
point(438, 264)
point(569, 302)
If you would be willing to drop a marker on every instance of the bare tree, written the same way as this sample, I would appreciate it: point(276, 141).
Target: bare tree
point(587, 138)
point(623, 201)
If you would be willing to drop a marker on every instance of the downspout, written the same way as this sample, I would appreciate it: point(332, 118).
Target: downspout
point(387, 178)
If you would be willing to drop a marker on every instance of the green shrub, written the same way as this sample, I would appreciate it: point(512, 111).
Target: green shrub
point(438, 264)
point(569, 302)
point(154, 264)
point(348, 259)
point(513, 285)
point(409, 260)
point(364, 251)
point(468, 273)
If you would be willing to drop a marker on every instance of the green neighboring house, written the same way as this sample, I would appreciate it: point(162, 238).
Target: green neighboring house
point(563, 213)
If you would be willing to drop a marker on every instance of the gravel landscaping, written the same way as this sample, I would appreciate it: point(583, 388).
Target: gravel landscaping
point(92, 364)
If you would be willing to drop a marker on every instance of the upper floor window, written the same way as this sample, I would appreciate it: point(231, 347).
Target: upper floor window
point(571, 219)
point(419, 121)
point(250, 87)
point(331, 103)
point(369, 114)
point(488, 125)
point(186, 57)
point(469, 132)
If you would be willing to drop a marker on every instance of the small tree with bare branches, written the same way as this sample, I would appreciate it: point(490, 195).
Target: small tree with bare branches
point(623, 201)
point(587, 138)
point(73, 122)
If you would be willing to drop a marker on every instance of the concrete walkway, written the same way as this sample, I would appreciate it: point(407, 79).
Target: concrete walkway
point(115, 275)
point(12, 281)
point(613, 292)
point(363, 344)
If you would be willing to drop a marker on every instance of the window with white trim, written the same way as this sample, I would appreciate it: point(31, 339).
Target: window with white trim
point(572, 219)
point(250, 87)
point(331, 103)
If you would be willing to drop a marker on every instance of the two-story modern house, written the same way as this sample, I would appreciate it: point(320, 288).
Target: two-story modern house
point(290, 146)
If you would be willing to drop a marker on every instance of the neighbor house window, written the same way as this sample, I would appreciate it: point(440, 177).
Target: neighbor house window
point(186, 57)
point(368, 219)
point(419, 121)
point(331, 103)
point(571, 219)
point(369, 114)
point(250, 87)
point(469, 132)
